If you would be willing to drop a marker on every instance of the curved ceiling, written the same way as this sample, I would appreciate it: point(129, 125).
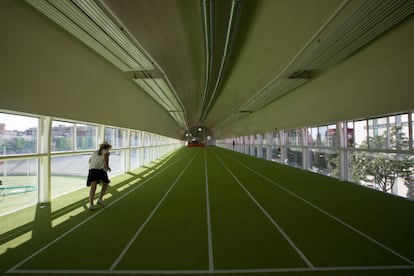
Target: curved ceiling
point(235, 67)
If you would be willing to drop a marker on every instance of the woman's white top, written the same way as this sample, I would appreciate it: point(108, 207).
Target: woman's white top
point(97, 161)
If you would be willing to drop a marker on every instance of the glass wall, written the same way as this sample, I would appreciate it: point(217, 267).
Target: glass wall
point(20, 183)
point(63, 136)
point(323, 154)
point(86, 137)
point(116, 137)
point(18, 134)
point(68, 173)
point(71, 143)
point(18, 166)
point(373, 152)
point(294, 151)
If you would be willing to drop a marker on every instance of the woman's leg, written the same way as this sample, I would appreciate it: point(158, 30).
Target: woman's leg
point(92, 192)
point(103, 191)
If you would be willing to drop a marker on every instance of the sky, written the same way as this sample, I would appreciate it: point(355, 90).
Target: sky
point(14, 122)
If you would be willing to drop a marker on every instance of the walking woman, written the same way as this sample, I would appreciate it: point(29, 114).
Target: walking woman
point(98, 168)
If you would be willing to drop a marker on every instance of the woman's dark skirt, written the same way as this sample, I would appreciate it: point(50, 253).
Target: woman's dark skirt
point(97, 175)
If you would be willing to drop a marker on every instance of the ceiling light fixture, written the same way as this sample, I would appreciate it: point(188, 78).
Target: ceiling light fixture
point(230, 37)
point(207, 13)
point(161, 92)
point(368, 20)
point(89, 23)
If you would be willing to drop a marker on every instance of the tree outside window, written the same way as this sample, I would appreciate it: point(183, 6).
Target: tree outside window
point(384, 169)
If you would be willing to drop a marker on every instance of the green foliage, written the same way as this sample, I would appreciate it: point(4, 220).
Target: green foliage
point(384, 169)
point(18, 145)
point(333, 165)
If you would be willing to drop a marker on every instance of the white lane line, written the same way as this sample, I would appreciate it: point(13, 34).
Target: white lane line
point(292, 244)
point(149, 217)
point(88, 219)
point(217, 271)
point(210, 239)
point(328, 214)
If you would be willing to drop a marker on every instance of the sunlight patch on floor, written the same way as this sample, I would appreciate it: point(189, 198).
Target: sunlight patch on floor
point(67, 216)
point(19, 240)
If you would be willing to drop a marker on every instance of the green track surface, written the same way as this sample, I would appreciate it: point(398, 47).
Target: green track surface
point(211, 211)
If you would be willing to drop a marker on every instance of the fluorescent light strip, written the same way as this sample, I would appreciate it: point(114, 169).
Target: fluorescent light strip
point(368, 20)
point(55, 15)
point(89, 23)
point(103, 21)
point(207, 8)
point(179, 118)
point(154, 87)
point(230, 36)
point(83, 21)
point(171, 97)
point(107, 40)
point(164, 95)
point(275, 90)
point(230, 119)
point(147, 85)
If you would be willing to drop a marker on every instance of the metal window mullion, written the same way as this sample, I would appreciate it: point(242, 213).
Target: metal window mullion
point(259, 145)
point(342, 128)
point(305, 150)
point(75, 137)
point(44, 169)
point(127, 151)
point(388, 145)
point(283, 144)
point(101, 134)
point(367, 132)
point(410, 130)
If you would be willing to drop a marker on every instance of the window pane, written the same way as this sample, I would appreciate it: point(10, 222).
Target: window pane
point(116, 137)
point(312, 136)
point(350, 135)
point(147, 155)
point(135, 139)
point(399, 132)
point(18, 134)
point(135, 160)
point(276, 138)
point(294, 157)
point(86, 137)
point(19, 184)
point(360, 134)
point(387, 172)
point(276, 156)
point(378, 135)
point(116, 162)
point(324, 162)
point(322, 136)
point(264, 152)
point(294, 137)
point(269, 138)
point(254, 151)
point(264, 140)
point(62, 136)
point(68, 173)
point(332, 138)
point(147, 139)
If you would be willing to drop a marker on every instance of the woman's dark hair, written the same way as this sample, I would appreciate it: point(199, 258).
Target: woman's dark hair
point(104, 145)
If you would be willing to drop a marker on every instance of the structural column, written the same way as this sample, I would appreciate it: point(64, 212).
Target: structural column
point(342, 129)
point(44, 160)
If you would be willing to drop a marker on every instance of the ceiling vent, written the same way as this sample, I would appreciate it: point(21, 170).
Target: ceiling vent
point(337, 39)
point(302, 74)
